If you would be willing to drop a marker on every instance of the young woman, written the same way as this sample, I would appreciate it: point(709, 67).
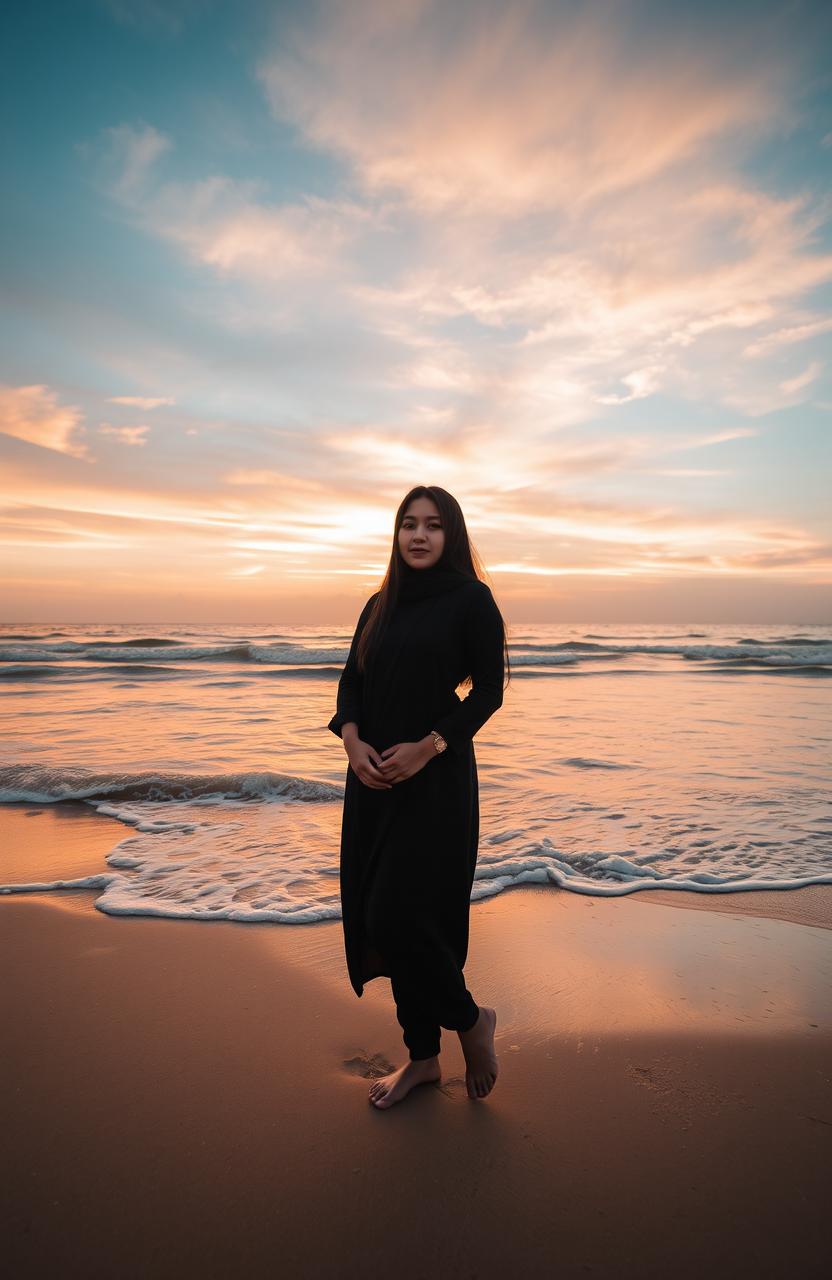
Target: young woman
point(410, 825)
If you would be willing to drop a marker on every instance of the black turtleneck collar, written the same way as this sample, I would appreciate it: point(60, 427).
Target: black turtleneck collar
point(420, 584)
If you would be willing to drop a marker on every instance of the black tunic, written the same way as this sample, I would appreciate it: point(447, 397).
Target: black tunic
point(427, 824)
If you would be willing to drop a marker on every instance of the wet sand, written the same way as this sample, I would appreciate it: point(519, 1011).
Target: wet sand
point(192, 1096)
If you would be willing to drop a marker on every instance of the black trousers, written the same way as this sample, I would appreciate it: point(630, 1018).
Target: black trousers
point(426, 976)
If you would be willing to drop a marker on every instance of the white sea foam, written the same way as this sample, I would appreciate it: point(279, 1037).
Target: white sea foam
point(257, 861)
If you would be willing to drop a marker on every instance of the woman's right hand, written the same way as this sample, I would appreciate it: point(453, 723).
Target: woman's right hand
point(364, 762)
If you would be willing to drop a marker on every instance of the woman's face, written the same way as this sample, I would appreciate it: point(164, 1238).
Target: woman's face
point(421, 536)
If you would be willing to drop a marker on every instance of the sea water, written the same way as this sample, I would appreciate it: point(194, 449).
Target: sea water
point(624, 758)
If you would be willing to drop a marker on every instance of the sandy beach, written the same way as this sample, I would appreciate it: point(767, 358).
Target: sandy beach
point(192, 1097)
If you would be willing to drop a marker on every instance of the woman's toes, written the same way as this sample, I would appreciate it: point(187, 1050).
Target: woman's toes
point(481, 1086)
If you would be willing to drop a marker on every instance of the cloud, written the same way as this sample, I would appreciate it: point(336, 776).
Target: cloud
point(641, 383)
point(266, 478)
point(125, 435)
point(689, 471)
point(765, 396)
point(645, 295)
point(513, 108)
point(165, 17)
point(721, 437)
point(801, 380)
point(537, 229)
point(142, 402)
point(220, 221)
point(34, 414)
point(576, 536)
point(802, 332)
point(138, 152)
point(547, 215)
point(249, 571)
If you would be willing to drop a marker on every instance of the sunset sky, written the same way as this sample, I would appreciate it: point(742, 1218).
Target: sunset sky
point(267, 266)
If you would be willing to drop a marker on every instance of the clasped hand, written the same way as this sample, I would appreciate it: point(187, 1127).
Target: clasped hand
point(380, 770)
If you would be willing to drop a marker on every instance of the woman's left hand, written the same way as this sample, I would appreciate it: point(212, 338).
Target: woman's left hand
point(405, 759)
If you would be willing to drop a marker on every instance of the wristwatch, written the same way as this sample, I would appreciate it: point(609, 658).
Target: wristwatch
point(438, 741)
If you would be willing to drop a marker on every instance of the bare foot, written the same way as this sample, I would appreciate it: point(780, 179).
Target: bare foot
point(480, 1058)
point(392, 1088)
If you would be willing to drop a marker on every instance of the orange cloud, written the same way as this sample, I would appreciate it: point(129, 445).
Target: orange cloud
point(34, 414)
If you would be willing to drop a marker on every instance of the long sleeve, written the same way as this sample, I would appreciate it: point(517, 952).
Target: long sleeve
point(350, 685)
point(483, 639)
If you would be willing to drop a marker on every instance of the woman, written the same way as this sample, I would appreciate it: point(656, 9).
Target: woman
point(410, 826)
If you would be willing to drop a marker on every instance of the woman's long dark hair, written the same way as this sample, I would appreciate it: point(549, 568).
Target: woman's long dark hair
point(459, 553)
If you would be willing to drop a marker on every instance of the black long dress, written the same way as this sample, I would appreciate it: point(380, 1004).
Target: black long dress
point(418, 840)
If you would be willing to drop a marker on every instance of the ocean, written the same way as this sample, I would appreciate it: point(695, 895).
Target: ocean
point(625, 758)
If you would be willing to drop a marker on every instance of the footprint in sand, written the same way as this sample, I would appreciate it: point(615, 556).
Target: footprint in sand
point(453, 1087)
point(369, 1067)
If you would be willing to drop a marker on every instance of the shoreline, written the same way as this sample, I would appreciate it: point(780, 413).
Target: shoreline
point(811, 904)
point(73, 840)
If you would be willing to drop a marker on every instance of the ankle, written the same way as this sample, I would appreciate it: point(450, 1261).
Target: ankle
point(475, 1026)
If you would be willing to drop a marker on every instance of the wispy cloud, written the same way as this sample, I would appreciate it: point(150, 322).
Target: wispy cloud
point(640, 383)
point(34, 414)
point(223, 222)
point(809, 374)
point(510, 108)
point(788, 336)
point(126, 435)
point(165, 17)
point(142, 402)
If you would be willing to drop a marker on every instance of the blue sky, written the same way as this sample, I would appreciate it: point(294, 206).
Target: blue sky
point(267, 266)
